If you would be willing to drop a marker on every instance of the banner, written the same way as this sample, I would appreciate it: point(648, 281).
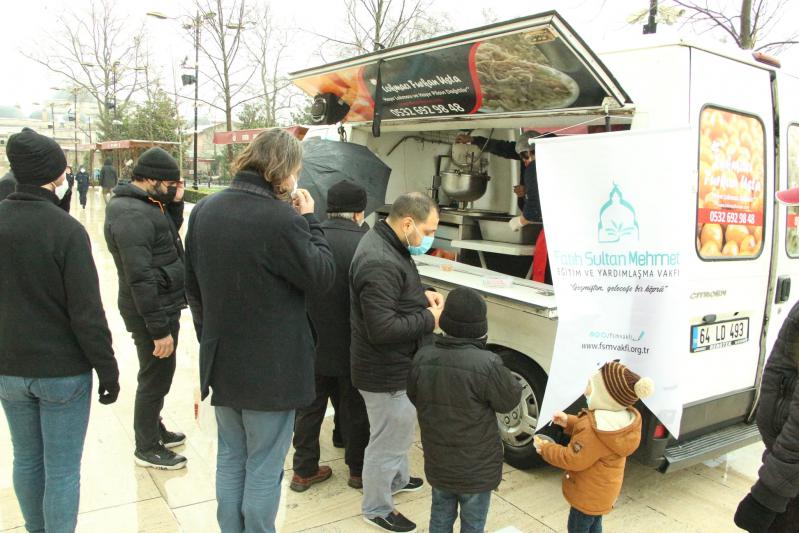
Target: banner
point(616, 214)
point(525, 71)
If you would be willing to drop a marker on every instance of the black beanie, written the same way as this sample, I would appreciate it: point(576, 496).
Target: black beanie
point(346, 197)
point(464, 314)
point(35, 159)
point(157, 164)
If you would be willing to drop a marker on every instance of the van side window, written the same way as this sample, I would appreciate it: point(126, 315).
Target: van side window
point(731, 192)
point(792, 230)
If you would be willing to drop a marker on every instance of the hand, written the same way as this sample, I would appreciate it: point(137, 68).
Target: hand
point(435, 299)
point(515, 223)
point(463, 138)
point(520, 191)
point(303, 202)
point(753, 516)
point(560, 418)
point(538, 443)
point(180, 191)
point(436, 312)
point(164, 347)
point(109, 392)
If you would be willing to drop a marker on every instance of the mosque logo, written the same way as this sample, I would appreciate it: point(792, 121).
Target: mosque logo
point(617, 220)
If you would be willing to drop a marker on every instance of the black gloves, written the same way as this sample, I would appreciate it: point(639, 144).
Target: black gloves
point(109, 392)
point(753, 516)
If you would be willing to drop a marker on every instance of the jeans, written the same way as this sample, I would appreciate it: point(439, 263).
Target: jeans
point(354, 430)
point(249, 467)
point(392, 420)
point(154, 381)
point(580, 522)
point(444, 510)
point(47, 419)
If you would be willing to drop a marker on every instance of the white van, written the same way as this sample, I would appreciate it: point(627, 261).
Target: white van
point(536, 73)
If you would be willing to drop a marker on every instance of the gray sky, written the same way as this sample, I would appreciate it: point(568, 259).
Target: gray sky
point(601, 23)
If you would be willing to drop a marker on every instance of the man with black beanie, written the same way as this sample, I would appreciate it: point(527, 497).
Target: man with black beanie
point(8, 184)
point(458, 387)
point(53, 332)
point(330, 315)
point(141, 230)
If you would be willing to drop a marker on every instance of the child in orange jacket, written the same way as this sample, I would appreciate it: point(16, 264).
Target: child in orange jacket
point(602, 437)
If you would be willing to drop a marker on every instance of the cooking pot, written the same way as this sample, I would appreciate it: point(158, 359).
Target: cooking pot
point(462, 186)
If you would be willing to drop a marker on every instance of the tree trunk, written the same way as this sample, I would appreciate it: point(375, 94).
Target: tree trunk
point(378, 26)
point(747, 38)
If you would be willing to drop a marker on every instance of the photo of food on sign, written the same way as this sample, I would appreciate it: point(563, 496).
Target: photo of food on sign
point(731, 185)
point(515, 76)
point(521, 72)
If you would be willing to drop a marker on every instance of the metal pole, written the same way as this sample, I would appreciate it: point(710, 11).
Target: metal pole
point(91, 152)
point(52, 117)
point(76, 130)
point(196, 91)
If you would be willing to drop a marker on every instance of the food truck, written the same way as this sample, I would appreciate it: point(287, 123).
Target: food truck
point(703, 136)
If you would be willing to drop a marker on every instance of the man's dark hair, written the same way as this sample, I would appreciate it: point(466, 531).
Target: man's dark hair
point(413, 204)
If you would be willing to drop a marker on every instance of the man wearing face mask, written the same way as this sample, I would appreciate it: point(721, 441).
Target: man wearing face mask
point(392, 316)
point(53, 332)
point(82, 180)
point(8, 185)
point(141, 229)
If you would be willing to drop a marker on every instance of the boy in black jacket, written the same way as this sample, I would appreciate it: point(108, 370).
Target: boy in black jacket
point(457, 387)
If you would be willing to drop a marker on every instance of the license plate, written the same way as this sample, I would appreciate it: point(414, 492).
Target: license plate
point(719, 334)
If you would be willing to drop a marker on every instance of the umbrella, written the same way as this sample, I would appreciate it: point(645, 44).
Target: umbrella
point(325, 163)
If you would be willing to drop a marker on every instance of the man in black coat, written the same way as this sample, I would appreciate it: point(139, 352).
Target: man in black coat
point(254, 252)
point(773, 503)
point(141, 230)
point(53, 332)
point(8, 185)
point(458, 387)
point(392, 316)
point(82, 179)
point(108, 179)
point(330, 315)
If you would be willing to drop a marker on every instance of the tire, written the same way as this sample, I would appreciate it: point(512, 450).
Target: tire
point(517, 426)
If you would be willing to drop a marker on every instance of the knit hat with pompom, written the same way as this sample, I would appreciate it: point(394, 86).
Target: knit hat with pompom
point(616, 387)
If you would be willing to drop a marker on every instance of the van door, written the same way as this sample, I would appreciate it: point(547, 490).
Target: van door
point(731, 114)
point(786, 293)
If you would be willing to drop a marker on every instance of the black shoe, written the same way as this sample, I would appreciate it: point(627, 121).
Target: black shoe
point(414, 484)
point(160, 458)
point(393, 522)
point(172, 439)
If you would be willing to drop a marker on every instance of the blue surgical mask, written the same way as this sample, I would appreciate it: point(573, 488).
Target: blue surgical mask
point(427, 243)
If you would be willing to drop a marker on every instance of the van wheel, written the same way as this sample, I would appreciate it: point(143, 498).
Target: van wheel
point(518, 426)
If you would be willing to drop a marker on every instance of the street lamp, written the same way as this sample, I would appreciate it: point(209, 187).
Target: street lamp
point(74, 92)
point(115, 67)
point(196, 23)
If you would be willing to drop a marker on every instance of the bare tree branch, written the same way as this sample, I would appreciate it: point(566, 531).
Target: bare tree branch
point(750, 24)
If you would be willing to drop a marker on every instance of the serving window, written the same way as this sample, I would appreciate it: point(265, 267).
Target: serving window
point(792, 230)
point(731, 190)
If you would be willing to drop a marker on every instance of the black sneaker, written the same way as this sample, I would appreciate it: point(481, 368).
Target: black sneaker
point(160, 458)
point(172, 439)
point(414, 484)
point(393, 522)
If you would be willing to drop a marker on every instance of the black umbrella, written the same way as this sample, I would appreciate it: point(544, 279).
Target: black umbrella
point(325, 163)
